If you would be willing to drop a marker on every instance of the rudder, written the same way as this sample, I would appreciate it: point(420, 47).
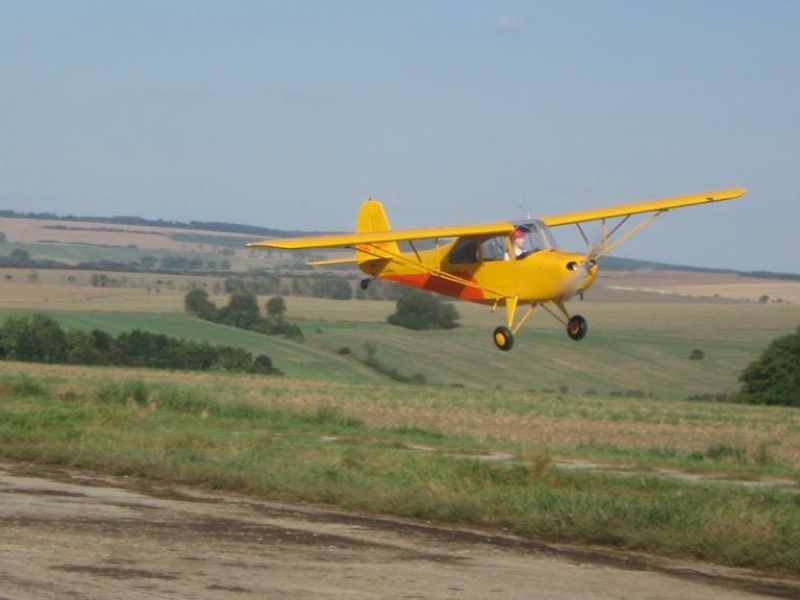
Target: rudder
point(372, 217)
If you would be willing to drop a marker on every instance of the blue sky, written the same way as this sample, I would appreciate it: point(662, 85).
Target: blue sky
point(290, 114)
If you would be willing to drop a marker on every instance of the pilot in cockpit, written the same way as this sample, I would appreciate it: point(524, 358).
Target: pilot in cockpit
point(518, 240)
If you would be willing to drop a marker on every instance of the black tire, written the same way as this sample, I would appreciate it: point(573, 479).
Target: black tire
point(503, 338)
point(577, 328)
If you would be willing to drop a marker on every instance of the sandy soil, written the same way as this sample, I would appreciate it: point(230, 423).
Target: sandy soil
point(70, 534)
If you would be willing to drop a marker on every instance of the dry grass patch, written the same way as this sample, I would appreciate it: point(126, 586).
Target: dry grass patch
point(565, 425)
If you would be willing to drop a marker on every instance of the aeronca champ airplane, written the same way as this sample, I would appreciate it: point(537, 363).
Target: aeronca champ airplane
point(510, 263)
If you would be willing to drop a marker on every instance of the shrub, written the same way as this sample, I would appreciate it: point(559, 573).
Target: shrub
point(422, 310)
point(774, 378)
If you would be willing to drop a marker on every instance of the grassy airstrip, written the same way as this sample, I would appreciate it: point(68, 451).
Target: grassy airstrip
point(716, 482)
point(590, 442)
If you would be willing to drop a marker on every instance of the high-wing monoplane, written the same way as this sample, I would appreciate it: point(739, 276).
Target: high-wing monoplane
point(508, 264)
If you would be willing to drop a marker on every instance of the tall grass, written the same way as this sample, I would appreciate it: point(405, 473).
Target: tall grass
point(199, 435)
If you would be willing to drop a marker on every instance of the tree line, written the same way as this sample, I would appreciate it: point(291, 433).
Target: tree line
point(20, 258)
point(262, 283)
point(40, 338)
point(243, 312)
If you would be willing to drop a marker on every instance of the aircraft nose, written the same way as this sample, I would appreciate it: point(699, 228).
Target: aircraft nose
point(587, 265)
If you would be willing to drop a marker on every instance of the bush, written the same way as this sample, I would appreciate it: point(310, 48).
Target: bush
point(774, 378)
point(198, 303)
point(422, 310)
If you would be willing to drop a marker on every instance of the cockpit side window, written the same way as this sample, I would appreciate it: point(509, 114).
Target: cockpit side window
point(475, 250)
point(464, 251)
point(493, 248)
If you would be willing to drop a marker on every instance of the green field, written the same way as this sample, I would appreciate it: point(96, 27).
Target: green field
point(640, 349)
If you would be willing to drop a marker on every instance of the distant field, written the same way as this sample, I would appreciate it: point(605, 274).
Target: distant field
point(642, 325)
point(75, 242)
point(29, 231)
point(685, 285)
point(640, 348)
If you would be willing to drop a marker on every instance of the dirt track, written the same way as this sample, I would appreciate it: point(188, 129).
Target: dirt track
point(69, 534)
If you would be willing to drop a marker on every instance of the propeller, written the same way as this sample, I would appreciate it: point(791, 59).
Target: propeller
point(581, 269)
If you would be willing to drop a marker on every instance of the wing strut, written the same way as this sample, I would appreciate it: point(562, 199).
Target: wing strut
point(603, 247)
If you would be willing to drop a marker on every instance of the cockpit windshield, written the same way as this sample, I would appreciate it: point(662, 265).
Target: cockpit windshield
point(537, 237)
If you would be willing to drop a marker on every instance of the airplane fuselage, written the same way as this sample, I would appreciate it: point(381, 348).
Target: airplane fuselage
point(541, 276)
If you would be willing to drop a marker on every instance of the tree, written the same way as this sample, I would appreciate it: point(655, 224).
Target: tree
point(774, 378)
point(148, 261)
point(417, 309)
point(276, 307)
point(197, 302)
point(19, 255)
point(82, 349)
point(38, 338)
point(242, 311)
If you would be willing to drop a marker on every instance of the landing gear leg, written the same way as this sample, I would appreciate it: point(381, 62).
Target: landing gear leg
point(364, 283)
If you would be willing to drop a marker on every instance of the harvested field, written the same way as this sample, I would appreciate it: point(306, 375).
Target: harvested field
point(101, 234)
point(676, 286)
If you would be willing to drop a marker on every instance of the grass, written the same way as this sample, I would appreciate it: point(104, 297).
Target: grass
point(349, 445)
point(640, 348)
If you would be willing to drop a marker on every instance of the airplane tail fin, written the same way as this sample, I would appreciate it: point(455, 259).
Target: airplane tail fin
point(372, 217)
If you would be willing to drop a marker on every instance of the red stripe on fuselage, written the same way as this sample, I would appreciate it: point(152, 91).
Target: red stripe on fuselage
point(440, 285)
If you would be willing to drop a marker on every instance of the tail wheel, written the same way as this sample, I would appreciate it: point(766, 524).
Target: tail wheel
point(503, 338)
point(577, 328)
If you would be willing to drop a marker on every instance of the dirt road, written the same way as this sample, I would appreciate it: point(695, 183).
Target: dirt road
point(71, 534)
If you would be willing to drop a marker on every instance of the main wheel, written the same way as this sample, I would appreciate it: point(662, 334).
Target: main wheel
point(503, 338)
point(577, 328)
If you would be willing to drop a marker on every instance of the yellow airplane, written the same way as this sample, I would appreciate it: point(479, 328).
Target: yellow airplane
point(511, 263)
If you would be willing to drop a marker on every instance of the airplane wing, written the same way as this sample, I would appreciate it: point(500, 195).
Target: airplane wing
point(648, 206)
point(350, 240)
